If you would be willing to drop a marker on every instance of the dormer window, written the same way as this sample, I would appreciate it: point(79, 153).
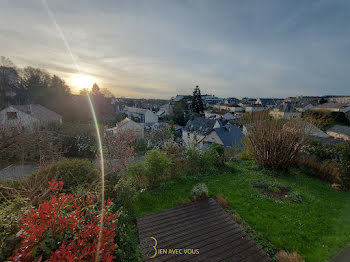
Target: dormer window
point(11, 115)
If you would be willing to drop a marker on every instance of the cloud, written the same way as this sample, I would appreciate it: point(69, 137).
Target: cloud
point(158, 49)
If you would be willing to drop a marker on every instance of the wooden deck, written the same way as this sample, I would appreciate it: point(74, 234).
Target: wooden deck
point(202, 227)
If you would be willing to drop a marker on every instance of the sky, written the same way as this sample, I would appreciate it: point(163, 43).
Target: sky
point(160, 48)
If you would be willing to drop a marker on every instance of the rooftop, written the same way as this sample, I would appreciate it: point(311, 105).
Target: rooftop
point(202, 225)
point(340, 129)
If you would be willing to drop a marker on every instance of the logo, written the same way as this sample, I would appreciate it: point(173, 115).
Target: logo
point(172, 251)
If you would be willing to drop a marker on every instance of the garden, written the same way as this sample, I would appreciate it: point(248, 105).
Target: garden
point(283, 200)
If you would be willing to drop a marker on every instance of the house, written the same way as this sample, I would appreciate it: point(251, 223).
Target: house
point(340, 132)
point(197, 129)
point(254, 108)
point(27, 116)
point(229, 116)
point(231, 101)
point(308, 128)
point(339, 99)
point(304, 106)
point(266, 102)
point(228, 136)
point(210, 100)
point(230, 108)
point(334, 107)
point(141, 115)
point(167, 108)
point(127, 125)
point(285, 111)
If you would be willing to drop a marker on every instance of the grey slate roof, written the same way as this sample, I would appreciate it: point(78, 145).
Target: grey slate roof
point(268, 101)
point(200, 125)
point(287, 107)
point(340, 129)
point(17, 172)
point(203, 225)
point(39, 112)
point(230, 135)
point(136, 110)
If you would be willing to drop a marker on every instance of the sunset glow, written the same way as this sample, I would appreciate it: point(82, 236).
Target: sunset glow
point(81, 81)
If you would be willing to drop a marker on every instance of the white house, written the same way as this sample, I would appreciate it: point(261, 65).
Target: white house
point(144, 116)
point(230, 108)
point(129, 126)
point(27, 116)
point(285, 111)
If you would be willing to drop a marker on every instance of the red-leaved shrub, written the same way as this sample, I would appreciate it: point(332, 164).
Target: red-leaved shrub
point(65, 228)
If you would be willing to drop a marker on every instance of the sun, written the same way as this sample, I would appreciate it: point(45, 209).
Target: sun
point(81, 81)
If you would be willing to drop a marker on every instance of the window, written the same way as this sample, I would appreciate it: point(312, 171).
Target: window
point(11, 115)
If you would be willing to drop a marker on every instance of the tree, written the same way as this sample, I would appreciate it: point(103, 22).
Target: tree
point(197, 103)
point(323, 101)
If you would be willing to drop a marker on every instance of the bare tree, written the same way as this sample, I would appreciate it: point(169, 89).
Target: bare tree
point(275, 144)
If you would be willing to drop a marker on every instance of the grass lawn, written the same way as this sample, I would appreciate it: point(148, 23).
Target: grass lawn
point(318, 228)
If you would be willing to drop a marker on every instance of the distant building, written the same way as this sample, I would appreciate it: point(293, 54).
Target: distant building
point(228, 136)
point(230, 108)
point(211, 100)
point(334, 107)
point(339, 132)
point(254, 108)
point(267, 102)
point(129, 126)
point(27, 116)
point(141, 115)
point(231, 101)
point(285, 111)
point(339, 99)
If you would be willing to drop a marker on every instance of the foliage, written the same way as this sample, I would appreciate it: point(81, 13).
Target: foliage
point(275, 145)
point(197, 103)
point(194, 161)
point(211, 158)
point(325, 170)
point(10, 213)
point(65, 228)
point(79, 140)
point(138, 174)
point(126, 238)
point(199, 192)
point(158, 137)
point(283, 256)
point(247, 152)
point(119, 150)
point(176, 154)
point(324, 119)
point(157, 166)
point(42, 145)
point(124, 193)
point(334, 160)
point(73, 172)
point(305, 226)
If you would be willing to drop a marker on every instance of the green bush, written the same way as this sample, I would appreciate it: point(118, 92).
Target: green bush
point(124, 193)
point(126, 238)
point(194, 162)
point(74, 173)
point(343, 151)
point(137, 173)
point(157, 166)
point(10, 212)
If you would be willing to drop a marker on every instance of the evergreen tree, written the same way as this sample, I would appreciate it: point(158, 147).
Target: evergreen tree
point(197, 103)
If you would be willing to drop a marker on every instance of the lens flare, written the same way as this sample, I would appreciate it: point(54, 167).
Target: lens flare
point(99, 140)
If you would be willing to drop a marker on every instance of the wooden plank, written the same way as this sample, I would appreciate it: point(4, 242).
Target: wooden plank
point(202, 225)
